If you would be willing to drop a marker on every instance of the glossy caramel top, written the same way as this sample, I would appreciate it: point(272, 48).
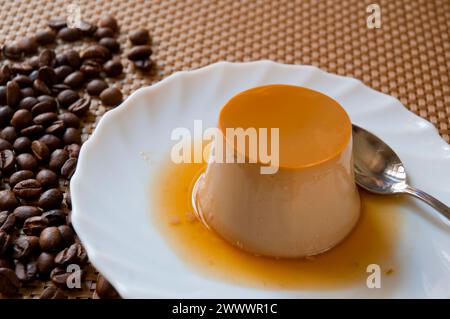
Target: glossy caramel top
point(313, 127)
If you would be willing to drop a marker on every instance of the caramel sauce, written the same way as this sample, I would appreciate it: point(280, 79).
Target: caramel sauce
point(373, 241)
point(313, 127)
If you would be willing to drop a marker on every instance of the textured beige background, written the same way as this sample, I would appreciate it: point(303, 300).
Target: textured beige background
point(409, 57)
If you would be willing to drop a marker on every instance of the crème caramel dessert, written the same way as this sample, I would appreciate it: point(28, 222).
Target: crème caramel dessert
point(310, 202)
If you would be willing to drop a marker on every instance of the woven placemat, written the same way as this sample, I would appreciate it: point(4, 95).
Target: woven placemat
point(408, 57)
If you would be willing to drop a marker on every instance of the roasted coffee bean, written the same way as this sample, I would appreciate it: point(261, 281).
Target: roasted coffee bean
point(9, 133)
point(25, 246)
point(74, 254)
point(54, 238)
point(47, 58)
point(33, 131)
point(139, 37)
point(67, 234)
point(47, 178)
point(50, 199)
point(34, 63)
point(51, 239)
point(44, 107)
point(72, 136)
point(139, 52)
point(80, 107)
point(103, 32)
point(73, 150)
point(7, 161)
point(96, 52)
point(28, 45)
point(9, 283)
point(57, 127)
point(52, 292)
point(20, 176)
point(51, 141)
point(23, 80)
point(70, 119)
point(5, 74)
point(47, 75)
point(27, 92)
point(6, 113)
point(21, 68)
point(28, 102)
point(28, 189)
point(69, 167)
point(22, 118)
point(45, 37)
point(109, 21)
point(87, 28)
point(91, 68)
point(111, 44)
point(26, 270)
point(62, 72)
point(5, 145)
point(40, 150)
point(41, 88)
point(24, 212)
point(7, 221)
point(58, 88)
point(67, 97)
point(59, 276)
point(104, 289)
point(22, 145)
point(75, 79)
point(96, 86)
point(72, 59)
point(12, 93)
point(55, 217)
point(5, 242)
point(45, 262)
point(33, 226)
point(12, 51)
point(45, 118)
point(69, 34)
point(34, 74)
point(143, 65)
point(46, 98)
point(5, 136)
point(57, 24)
point(61, 59)
point(57, 159)
point(27, 161)
point(111, 96)
point(113, 68)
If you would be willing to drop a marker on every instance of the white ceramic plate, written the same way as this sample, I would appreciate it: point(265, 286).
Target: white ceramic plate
point(110, 187)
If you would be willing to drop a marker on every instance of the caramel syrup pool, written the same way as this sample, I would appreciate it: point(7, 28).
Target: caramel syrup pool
point(373, 241)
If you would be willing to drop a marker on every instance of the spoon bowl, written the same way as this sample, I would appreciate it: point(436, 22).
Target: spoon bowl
point(378, 169)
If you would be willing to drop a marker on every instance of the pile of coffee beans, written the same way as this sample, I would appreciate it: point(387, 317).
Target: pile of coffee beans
point(44, 96)
point(141, 51)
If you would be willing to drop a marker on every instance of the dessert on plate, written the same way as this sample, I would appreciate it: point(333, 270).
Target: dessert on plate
point(309, 202)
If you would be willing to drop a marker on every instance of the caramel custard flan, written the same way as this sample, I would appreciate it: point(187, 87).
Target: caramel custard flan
point(311, 202)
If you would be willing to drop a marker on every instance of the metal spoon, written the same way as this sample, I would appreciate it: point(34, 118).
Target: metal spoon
point(379, 170)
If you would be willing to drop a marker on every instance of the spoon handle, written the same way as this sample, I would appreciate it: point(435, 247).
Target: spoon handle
point(430, 200)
